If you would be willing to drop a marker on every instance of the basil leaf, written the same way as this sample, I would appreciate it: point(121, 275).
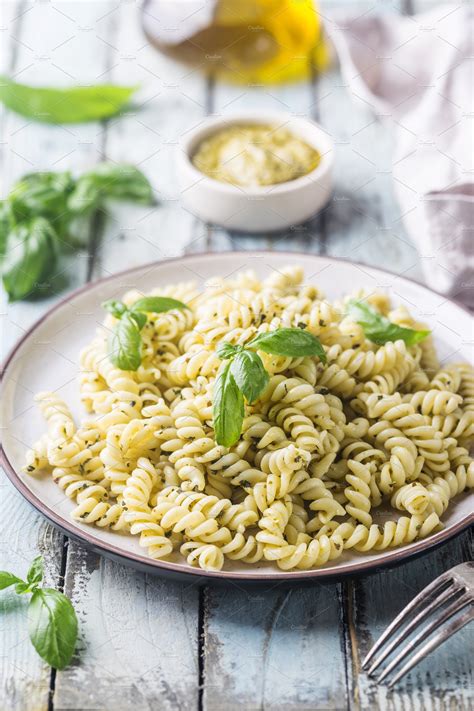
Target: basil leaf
point(22, 587)
point(8, 579)
point(228, 407)
point(379, 329)
point(6, 225)
point(226, 350)
point(52, 625)
point(125, 344)
point(116, 308)
point(157, 304)
point(292, 342)
point(31, 259)
point(41, 194)
point(139, 317)
point(110, 181)
point(72, 105)
point(35, 573)
point(249, 374)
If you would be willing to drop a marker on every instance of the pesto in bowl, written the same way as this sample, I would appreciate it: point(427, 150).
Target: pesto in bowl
point(255, 154)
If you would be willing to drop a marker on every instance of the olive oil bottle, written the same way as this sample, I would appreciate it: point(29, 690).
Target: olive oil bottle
point(245, 41)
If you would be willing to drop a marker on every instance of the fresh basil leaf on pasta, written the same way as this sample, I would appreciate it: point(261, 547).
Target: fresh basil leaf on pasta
point(249, 374)
point(293, 342)
point(76, 104)
point(52, 626)
point(8, 579)
point(379, 329)
point(110, 181)
point(139, 317)
point(31, 259)
point(228, 407)
point(157, 304)
point(116, 308)
point(227, 350)
point(36, 571)
point(125, 344)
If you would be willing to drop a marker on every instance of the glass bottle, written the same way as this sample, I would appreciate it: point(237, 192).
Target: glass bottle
point(248, 41)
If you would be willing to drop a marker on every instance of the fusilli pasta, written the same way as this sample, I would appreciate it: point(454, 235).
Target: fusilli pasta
point(326, 452)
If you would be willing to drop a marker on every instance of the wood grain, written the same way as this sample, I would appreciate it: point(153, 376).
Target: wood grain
point(273, 649)
point(444, 680)
point(139, 639)
point(171, 100)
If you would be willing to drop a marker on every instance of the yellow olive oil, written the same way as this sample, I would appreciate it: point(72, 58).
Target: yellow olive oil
point(248, 41)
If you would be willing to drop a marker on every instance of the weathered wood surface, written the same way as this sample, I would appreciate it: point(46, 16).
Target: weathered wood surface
point(151, 644)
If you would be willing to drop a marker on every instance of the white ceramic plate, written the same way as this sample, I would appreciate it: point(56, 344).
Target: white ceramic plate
point(46, 358)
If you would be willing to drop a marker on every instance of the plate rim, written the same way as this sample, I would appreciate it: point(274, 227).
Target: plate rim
point(157, 566)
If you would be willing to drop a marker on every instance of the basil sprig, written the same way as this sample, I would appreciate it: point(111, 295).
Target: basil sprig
point(52, 622)
point(76, 104)
point(31, 258)
point(48, 214)
point(378, 328)
point(109, 181)
point(125, 341)
point(243, 375)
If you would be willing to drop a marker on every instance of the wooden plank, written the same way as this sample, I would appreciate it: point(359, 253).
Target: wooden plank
point(48, 56)
point(139, 639)
point(444, 680)
point(172, 99)
point(273, 649)
point(140, 633)
point(24, 678)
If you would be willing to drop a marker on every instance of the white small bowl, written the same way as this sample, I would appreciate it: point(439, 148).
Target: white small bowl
point(263, 208)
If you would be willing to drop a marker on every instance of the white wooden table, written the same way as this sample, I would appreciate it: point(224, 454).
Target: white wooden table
point(146, 643)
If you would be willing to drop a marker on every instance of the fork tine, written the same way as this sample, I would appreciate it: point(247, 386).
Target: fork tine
point(407, 630)
point(434, 587)
point(438, 639)
point(426, 632)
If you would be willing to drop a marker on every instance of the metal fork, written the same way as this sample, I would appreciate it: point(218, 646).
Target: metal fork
point(453, 592)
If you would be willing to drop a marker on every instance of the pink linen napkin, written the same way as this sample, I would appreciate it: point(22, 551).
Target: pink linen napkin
point(419, 72)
